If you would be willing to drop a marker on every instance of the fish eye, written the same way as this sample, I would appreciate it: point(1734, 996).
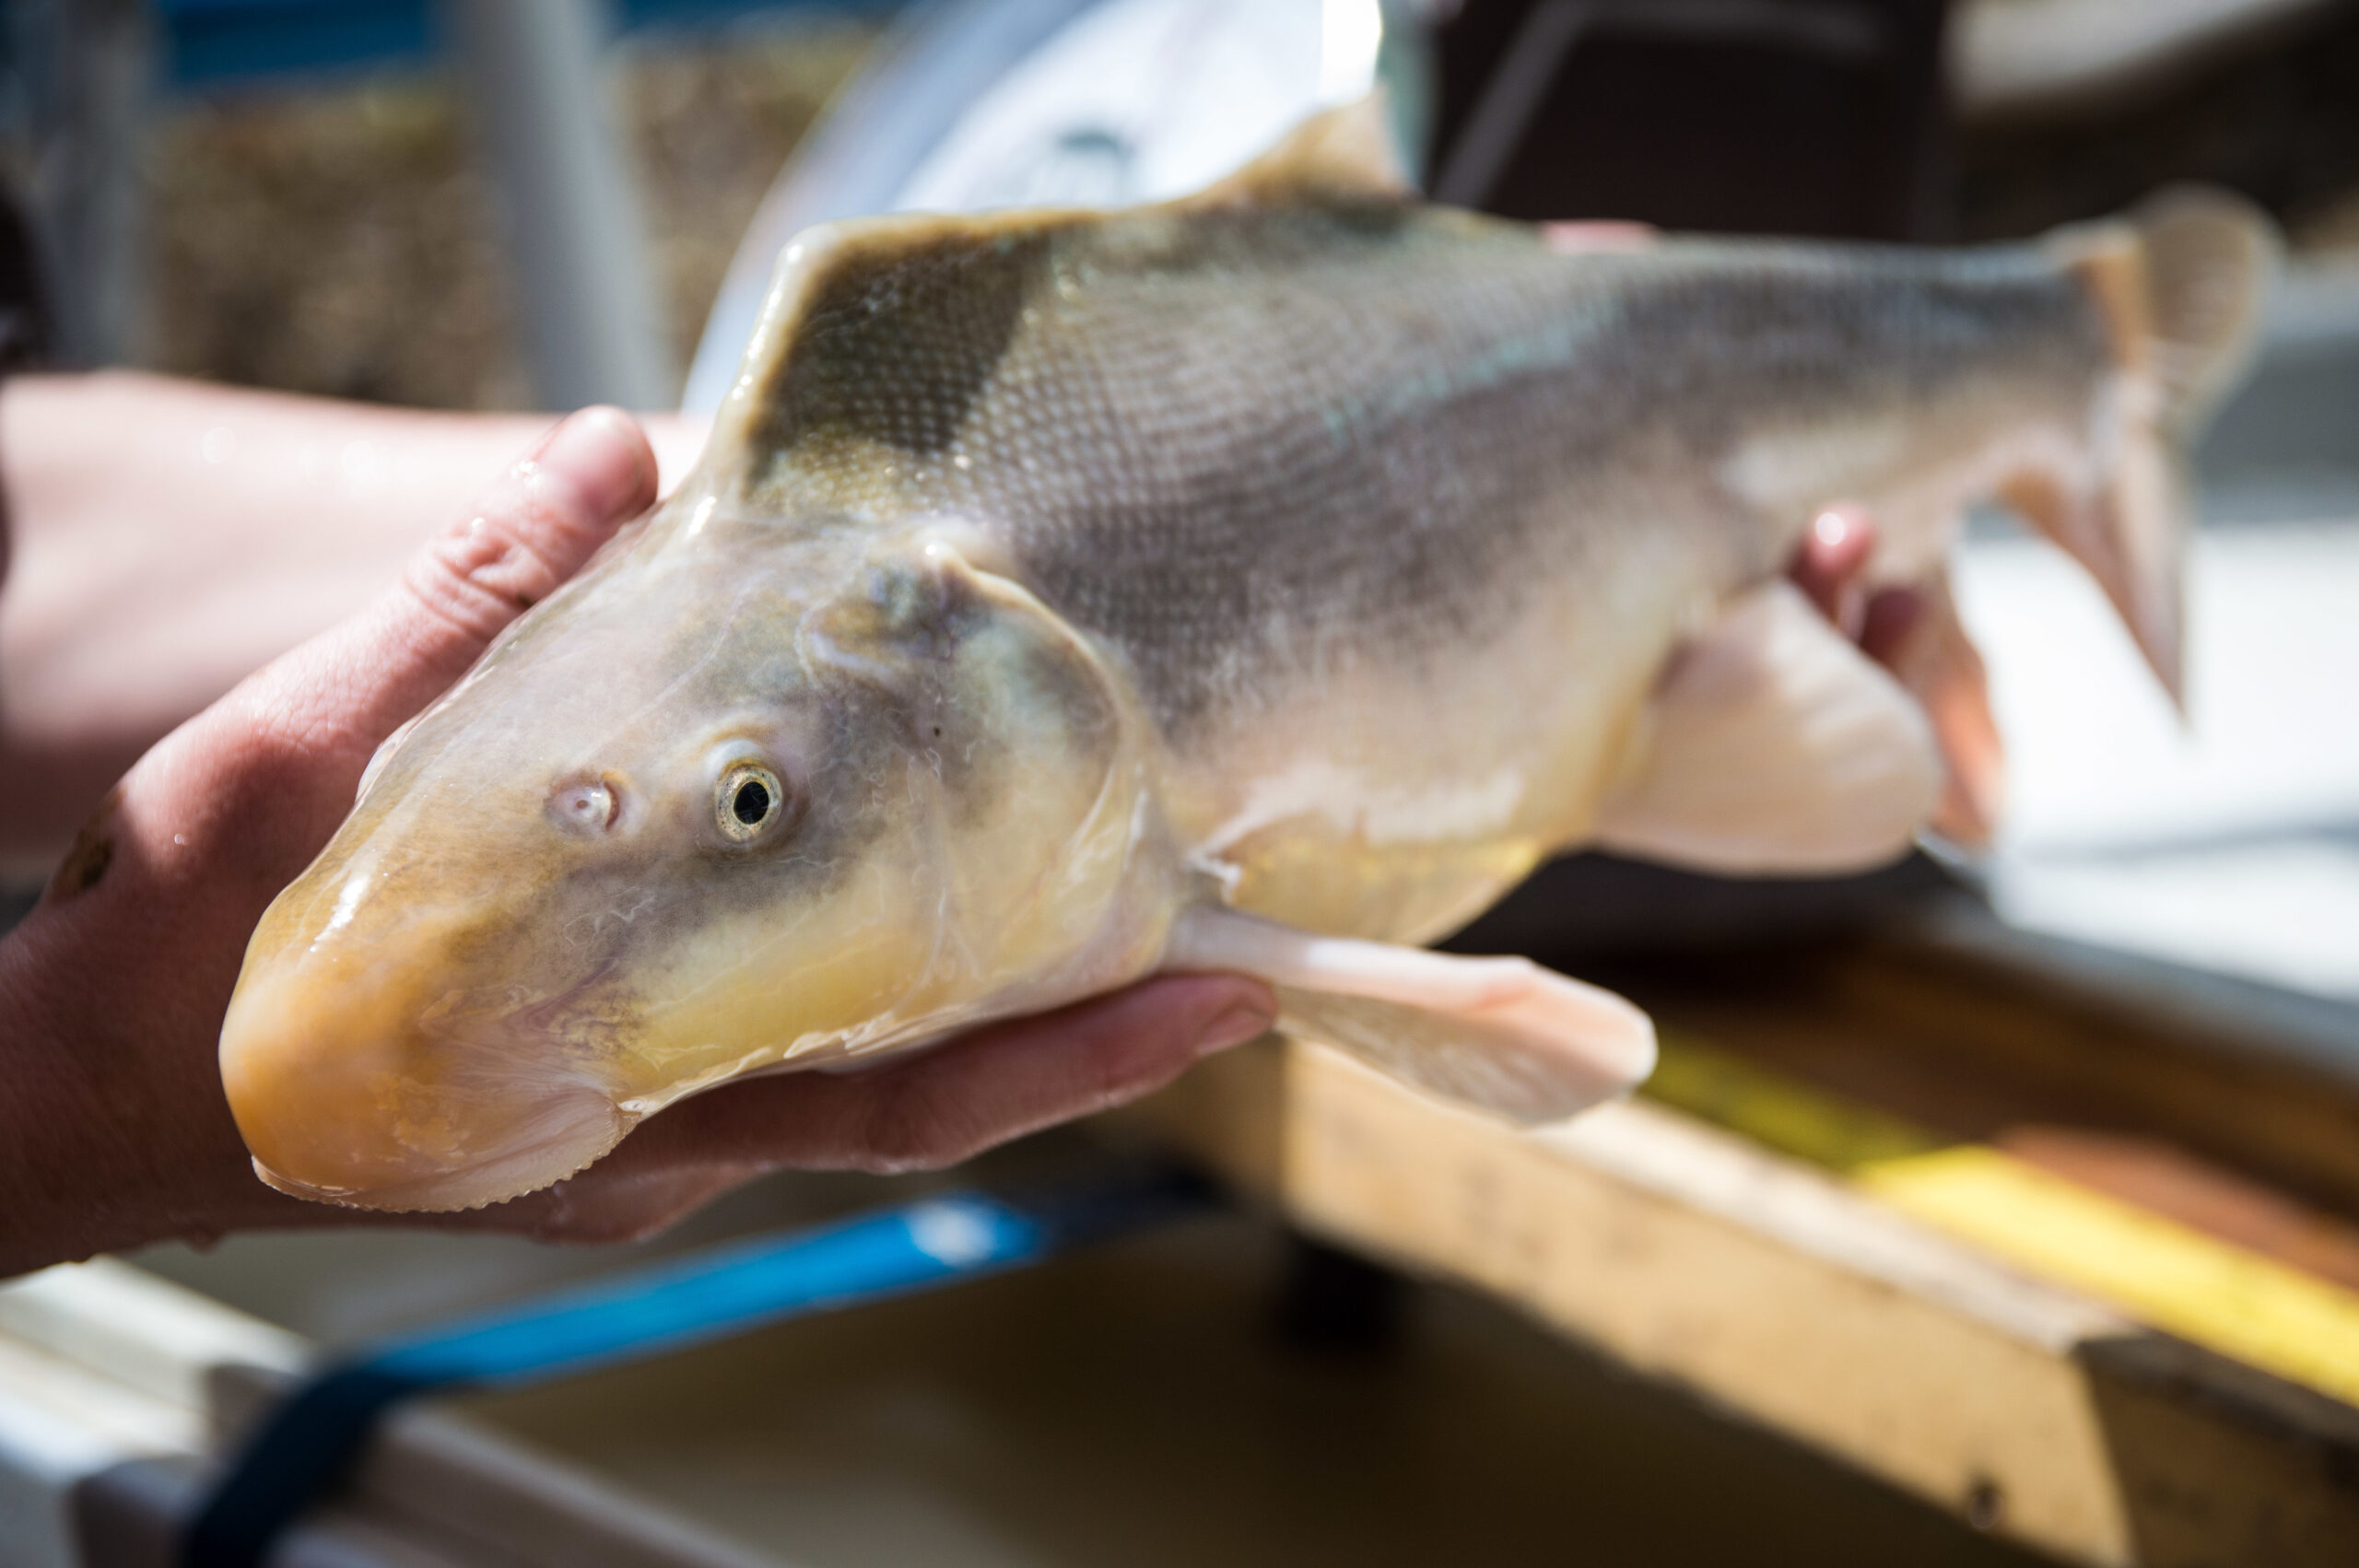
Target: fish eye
point(748, 799)
point(588, 804)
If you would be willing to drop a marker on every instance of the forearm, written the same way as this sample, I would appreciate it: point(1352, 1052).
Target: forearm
point(170, 537)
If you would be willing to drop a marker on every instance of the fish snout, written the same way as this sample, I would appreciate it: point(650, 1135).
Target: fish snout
point(373, 1089)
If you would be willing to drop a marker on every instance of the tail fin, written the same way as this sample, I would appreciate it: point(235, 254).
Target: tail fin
point(2209, 258)
point(2180, 286)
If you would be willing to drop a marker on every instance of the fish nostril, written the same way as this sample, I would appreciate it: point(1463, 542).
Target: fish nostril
point(587, 805)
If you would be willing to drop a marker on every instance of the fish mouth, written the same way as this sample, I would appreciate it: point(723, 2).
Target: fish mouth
point(370, 1092)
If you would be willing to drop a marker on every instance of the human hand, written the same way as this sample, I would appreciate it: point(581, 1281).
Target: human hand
point(113, 1130)
point(1916, 634)
point(168, 538)
point(1830, 568)
point(1913, 632)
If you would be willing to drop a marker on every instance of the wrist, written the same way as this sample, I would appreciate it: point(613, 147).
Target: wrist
point(114, 1129)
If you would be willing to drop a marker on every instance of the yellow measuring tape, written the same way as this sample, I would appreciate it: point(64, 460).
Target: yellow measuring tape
point(2167, 1275)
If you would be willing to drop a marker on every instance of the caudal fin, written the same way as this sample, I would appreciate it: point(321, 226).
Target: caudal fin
point(2180, 286)
point(2209, 258)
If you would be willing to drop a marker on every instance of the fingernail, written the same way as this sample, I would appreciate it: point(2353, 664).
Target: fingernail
point(1234, 1027)
point(598, 454)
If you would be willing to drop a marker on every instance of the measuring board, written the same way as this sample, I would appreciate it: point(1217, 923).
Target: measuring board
point(2069, 1257)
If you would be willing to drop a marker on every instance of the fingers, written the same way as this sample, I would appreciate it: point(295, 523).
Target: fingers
point(533, 530)
point(1827, 567)
point(1891, 618)
point(1914, 633)
point(358, 683)
point(272, 768)
point(981, 1089)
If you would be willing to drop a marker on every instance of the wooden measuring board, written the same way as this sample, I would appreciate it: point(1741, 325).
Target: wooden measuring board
point(2040, 1249)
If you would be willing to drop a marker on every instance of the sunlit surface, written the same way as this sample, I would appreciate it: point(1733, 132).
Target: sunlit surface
point(2230, 842)
point(1132, 1407)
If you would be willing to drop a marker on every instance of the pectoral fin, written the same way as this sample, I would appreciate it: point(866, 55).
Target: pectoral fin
point(1774, 745)
point(1501, 1035)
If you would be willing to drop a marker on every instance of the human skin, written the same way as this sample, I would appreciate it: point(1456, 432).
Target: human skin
point(113, 1131)
point(166, 539)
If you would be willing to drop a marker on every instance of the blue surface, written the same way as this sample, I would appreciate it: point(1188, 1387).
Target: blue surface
point(305, 1447)
point(214, 43)
point(720, 1293)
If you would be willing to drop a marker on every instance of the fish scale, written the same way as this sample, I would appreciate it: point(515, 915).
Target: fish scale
point(1262, 581)
point(1218, 478)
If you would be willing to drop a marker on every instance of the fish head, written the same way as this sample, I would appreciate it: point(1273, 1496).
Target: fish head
point(715, 808)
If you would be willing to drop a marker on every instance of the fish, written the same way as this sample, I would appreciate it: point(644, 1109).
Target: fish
point(1265, 580)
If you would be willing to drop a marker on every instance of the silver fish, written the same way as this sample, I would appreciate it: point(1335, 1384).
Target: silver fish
point(1264, 580)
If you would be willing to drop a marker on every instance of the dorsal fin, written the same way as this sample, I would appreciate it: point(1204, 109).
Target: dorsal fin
point(1347, 150)
point(824, 339)
point(882, 331)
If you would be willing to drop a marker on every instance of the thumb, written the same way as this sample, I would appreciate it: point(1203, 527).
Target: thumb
point(291, 743)
point(359, 682)
point(533, 529)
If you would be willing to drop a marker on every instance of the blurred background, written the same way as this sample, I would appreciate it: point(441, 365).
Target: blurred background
point(520, 204)
point(536, 206)
point(291, 193)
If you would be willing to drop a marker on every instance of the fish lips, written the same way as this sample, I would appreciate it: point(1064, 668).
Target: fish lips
point(353, 1083)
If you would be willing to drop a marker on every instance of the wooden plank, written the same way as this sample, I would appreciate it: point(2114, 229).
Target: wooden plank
point(2199, 1280)
point(2226, 1107)
point(1781, 1289)
point(2105, 1051)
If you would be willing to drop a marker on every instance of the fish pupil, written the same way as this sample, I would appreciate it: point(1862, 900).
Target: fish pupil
point(753, 802)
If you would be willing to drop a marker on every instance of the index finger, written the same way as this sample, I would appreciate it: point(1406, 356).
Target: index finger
point(983, 1088)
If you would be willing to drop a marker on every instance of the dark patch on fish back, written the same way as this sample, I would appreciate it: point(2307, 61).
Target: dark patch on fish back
point(894, 347)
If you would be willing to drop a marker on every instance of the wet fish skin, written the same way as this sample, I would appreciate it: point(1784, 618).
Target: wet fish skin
point(1339, 435)
point(511, 1001)
point(1301, 549)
